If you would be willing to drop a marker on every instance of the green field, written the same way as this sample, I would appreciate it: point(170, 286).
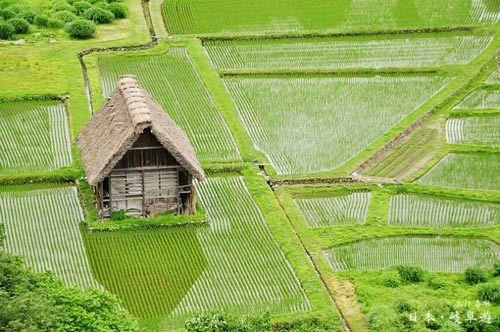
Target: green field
point(44, 226)
point(439, 254)
point(479, 130)
point(312, 124)
point(334, 211)
point(293, 16)
point(494, 77)
point(310, 53)
point(429, 211)
point(174, 82)
point(467, 170)
point(34, 136)
point(234, 264)
point(481, 99)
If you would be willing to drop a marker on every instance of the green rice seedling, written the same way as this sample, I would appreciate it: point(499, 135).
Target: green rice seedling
point(174, 82)
point(435, 254)
point(480, 99)
point(34, 136)
point(311, 124)
point(494, 77)
point(467, 170)
point(334, 211)
point(43, 225)
point(479, 130)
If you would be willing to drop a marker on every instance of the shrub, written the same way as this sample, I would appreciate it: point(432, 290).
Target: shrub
point(119, 10)
point(83, 29)
point(81, 6)
point(72, 2)
point(410, 274)
point(474, 275)
point(102, 4)
point(55, 23)
point(7, 13)
point(390, 279)
point(118, 215)
point(29, 15)
point(62, 6)
point(65, 16)
point(7, 30)
point(99, 15)
point(437, 283)
point(41, 20)
point(20, 25)
point(489, 292)
point(402, 305)
point(219, 321)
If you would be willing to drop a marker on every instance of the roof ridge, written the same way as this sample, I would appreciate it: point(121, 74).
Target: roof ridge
point(135, 98)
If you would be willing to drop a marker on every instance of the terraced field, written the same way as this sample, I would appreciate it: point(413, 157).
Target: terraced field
point(34, 136)
point(312, 124)
point(480, 130)
point(468, 170)
point(428, 211)
point(309, 53)
point(481, 99)
point(289, 16)
point(234, 264)
point(494, 77)
point(439, 254)
point(174, 82)
point(334, 211)
point(44, 226)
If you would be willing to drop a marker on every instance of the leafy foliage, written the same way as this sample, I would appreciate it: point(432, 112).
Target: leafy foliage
point(81, 7)
point(410, 274)
point(41, 20)
point(7, 30)
point(65, 16)
point(99, 15)
point(474, 275)
point(119, 10)
point(20, 24)
point(81, 29)
point(489, 292)
point(220, 321)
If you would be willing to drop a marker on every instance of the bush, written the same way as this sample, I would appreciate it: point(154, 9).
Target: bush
point(55, 23)
point(119, 10)
point(7, 13)
point(65, 16)
point(81, 6)
point(118, 215)
point(474, 275)
point(82, 29)
point(489, 292)
point(62, 6)
point(29, 15)
point(20, 25)
point(99, 15)
point(403, 305)
point(41, 20)
point(219, 321)
point(390, 279)
point(437, 283)
point(410, 274)
point(7, 30)
point(102, 4)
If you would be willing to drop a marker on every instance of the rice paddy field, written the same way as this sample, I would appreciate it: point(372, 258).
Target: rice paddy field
point(34, 137)
point(479, 130)
point(234, 264)
point(465, 170)
point(494, 77)
point(429, 211)
point(335, 211)
point(309, 53)
point(201, 17)
point(291, 120)
point(173, 81)
point(43, 225)
point(481, 99)
point(438, 254)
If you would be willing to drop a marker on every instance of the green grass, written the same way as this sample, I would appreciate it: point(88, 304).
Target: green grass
point(465, 170)
point(173, 81)
point(330, 211)
point(480, 99)
point(429, 211)
point(334, 53)
point(34, 136)
point(478, 130)
point(312, 124)
point(227, 17)
point(439, 254)
point(44, 226)
point(234, 264)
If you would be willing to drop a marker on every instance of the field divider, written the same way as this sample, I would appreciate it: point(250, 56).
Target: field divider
point(361, 72)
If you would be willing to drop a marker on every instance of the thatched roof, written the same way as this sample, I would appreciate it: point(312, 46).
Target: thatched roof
point(119, 123)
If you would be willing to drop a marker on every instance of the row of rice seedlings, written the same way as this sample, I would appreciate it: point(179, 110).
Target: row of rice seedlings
point(424, 211)
point(173, 81)
point(437, 254)
point(331, 53)
point(34, 136)
point(468, 170)
point(494, 77)
point(312, 124)
point(480, 130)
point(480, 99)
point(335, 211)
point(234, 264)
point(44, 226)
point(285, 16)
